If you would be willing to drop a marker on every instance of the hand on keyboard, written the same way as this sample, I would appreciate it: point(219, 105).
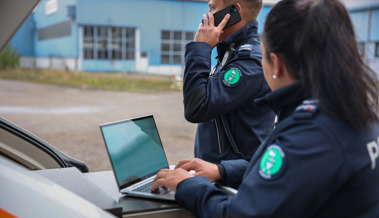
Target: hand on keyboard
point(161, 190)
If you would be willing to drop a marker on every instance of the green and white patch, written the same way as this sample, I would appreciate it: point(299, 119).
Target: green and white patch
point(232, 77)
point(272, 162)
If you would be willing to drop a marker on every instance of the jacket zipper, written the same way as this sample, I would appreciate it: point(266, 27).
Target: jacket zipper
point(218, 136)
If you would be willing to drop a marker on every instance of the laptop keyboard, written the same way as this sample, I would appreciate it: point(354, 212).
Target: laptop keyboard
point(147, 188)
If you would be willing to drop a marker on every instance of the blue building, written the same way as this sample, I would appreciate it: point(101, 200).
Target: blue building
point(147, 36)
point(365, 17)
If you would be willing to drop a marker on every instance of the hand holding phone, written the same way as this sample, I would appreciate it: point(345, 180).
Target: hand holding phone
point(235, 16)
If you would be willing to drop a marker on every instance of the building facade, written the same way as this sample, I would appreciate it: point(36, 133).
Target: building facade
point(113, 35)
point(145, 36)
point(365, 17)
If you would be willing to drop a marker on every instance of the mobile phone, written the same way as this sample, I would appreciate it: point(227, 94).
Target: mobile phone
point(235, 15)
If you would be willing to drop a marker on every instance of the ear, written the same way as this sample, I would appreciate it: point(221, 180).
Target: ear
point(238, 6)
point(240, 9)
point(279, 67)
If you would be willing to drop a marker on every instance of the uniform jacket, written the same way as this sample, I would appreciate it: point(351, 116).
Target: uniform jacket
point(311, 165)
point(226, 96)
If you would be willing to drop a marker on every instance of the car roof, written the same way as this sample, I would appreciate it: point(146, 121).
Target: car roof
point(12, 16)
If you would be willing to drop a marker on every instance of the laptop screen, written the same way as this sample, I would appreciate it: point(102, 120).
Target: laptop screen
point(135, 149)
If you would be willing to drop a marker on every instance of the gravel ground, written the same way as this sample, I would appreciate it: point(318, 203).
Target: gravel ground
point(68, 118)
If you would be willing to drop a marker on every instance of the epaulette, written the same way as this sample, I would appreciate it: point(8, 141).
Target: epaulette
point(249, 50)
point(307, 109)
point(244, 50)
point(245, 47)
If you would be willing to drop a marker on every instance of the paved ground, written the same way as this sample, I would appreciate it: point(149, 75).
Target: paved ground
point(69, 118)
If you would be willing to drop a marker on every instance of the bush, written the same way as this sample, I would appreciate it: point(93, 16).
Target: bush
point(10, 57)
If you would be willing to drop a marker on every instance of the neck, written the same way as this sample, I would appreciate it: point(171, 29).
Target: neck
point(232, 29)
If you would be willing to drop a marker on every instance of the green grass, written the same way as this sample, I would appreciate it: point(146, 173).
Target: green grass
point(106, 81)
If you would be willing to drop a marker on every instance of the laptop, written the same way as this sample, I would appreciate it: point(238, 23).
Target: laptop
point(136, 154)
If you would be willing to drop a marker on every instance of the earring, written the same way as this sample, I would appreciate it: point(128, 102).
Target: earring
point(274, 76)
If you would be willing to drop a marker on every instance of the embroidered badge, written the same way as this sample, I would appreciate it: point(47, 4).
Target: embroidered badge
point(232, 77)
point(272, 162)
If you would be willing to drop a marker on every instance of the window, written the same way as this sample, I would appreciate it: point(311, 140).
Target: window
point(361, 48)
point(116, 43)
point(112, 43)
point(88, 43)
point(71, 11)
point(173, 44)
point(377, 49)
point(102, 43)
point(130, 43)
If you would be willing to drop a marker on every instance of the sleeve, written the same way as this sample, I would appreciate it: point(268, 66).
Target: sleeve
point(291, 180)
point(196, 73)
point(234, 171)
point(237, 84)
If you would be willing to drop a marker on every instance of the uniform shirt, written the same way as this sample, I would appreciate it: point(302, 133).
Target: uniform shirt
point(312, 165)
point(229, 91)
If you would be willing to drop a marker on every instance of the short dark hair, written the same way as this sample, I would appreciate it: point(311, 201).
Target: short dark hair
point(317, 42)
point(253, 7)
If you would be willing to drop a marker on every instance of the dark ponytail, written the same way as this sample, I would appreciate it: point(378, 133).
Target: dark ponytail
point(317, 41)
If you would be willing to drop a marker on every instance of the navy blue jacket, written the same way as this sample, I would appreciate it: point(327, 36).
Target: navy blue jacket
point(311, 165)
point(229, 94)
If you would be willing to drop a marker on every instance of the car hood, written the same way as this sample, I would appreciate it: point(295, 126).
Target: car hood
point(24, 194)
point(12, 16)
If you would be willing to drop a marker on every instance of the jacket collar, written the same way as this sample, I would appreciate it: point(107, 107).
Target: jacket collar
point(284, 100)
point(245, 35)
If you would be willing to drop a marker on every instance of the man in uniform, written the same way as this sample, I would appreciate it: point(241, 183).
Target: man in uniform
point(221, 100)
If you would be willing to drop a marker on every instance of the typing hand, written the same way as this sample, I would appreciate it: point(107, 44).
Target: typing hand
point(161, 190)
point(170, 178)
point(201, 168)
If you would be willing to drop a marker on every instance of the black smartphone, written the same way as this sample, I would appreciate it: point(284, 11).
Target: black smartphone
point(235, 15)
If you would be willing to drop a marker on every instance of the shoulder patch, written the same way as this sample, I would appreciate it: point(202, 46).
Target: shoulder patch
point(307, 109)
point(308, 105)
point(273, 163)
point(232, 77)
point(246, 47)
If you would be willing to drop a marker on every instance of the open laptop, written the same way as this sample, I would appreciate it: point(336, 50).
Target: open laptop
point(136, 154)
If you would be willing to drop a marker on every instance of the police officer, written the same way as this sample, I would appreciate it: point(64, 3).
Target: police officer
point(322, 158)
point(221, 101)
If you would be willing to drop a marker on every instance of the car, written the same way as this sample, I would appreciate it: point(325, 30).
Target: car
point(26, 149)
point(24, 193)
